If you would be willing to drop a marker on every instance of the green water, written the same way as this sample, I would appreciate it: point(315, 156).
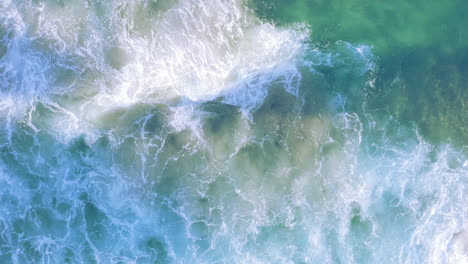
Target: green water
point(421, 48)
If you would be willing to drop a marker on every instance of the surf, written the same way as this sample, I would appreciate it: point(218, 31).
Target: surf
point(193, 131)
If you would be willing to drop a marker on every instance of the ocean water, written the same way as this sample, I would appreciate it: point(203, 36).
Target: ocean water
point(231, 131)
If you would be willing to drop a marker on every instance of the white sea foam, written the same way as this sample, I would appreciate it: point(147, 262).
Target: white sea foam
point(200, 51)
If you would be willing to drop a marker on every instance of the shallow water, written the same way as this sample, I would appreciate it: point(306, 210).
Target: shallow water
point(225, 131)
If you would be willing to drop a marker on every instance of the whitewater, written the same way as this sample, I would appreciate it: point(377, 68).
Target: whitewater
point(193, 131)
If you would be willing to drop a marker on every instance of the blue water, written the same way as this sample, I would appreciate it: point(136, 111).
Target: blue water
point(197, 131)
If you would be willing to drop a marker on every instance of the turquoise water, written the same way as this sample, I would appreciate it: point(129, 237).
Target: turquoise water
point(421, 50)
point(230, 131)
